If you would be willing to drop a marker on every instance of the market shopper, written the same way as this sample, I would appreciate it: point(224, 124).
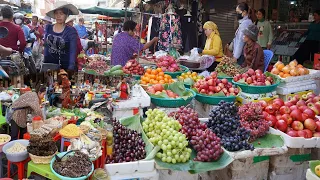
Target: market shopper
point(65, 85)
point(46, 20)
point(265, 35)
point(15, 33)
point(252, 51)
point(125, 45)
point(82, 30)
point(60, 39)
point(35, 27)
point(213, 46)
point(18, 19)
point(26, 103)
point(236, 46)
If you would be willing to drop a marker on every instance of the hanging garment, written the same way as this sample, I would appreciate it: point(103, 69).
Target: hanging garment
point(201, 11)
point(169, 32)
point(153, 31)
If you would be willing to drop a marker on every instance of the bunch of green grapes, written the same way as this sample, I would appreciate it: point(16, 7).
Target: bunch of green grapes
point(164, 132)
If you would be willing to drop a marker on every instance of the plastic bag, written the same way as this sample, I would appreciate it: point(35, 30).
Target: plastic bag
point(194, 55)
point(36, 49)
point(174, 53)
point(160, 53)
point(206, 61)
point(53, 113)
point(205, 74)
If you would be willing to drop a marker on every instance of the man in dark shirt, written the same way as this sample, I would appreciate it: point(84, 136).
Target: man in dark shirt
point(15, 33)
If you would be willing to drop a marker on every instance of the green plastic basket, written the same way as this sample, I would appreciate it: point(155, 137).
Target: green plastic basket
point(187, 86)
point(136, 77)
point(228, 78)
point(172, 103)
point(214, 100)
point(176, 74)
point(256, 89)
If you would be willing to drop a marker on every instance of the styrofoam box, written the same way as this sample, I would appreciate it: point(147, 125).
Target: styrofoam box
point(297, 88)
point(313, 74)
point(153, 175)
point(143, 100)
point(297, 142)
point(299, 83)
point(122, 113)
point(130, 167)
point(311, 176)
point(166, 174)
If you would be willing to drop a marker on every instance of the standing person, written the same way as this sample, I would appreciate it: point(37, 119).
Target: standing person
point(65, 85)
point(213, 45)
point(35, 27)
point(61, 39)
point(125, 45)
point(15, 33)
point(82, 30)
point(28, 102)
point(265, 36)
point(46, 20)
point(69, 22)
point(237, 44)
point(18, 19)
point(252, 51)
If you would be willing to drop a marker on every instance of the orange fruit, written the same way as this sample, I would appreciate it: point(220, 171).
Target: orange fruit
point(275, 71)
point(280, 67)
point(162, 82)
point(154, 72)
point(159, 69)
point(167, 76)
point(143, 82)
point(160, 77)
point(281, 74)
point(286, 69)
point(155, 82)
point(286, 75)
point(161, 73)
point(148, 70)
point(300, 66)
point(147, 79)
point(166, 80)
point(152, 76)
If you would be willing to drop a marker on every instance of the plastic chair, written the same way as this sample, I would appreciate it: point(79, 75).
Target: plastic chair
point(267, 58)
point(21, 168)
point(41, 169)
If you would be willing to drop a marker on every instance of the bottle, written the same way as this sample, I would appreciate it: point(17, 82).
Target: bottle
point(37, 122)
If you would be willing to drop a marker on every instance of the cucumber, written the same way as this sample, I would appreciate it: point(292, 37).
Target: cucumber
point(117, 73)
point(107, 73)
point(116, 68)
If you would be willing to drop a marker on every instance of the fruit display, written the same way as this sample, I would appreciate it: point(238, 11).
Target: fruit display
point(173, 91)
point(164, 132)
point(114, 71)
point(133, 67)
point(128, 145)
point(317, 170)
point(229, 67)
point(252, 119)
point(254, 78)
point(41, 146)
point(155, 76)
point(224, 121)
point(189, 77)
point(74, 166)
point(212, 85)
point(296, 117)
point(158, 89)
point(292, 69)
point(168, 64)
point(97, 64)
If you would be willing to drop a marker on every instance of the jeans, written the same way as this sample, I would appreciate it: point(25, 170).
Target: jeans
point(15, 129)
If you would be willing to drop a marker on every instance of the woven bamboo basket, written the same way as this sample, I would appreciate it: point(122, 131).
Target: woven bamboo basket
point(41, 159)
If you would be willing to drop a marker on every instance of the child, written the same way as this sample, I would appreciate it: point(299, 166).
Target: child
point(252, 51)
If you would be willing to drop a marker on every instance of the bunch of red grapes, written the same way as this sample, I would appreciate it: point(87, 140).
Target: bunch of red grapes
point(128, 145)
point(189, 119)
point(207, 145)
point(251, 118)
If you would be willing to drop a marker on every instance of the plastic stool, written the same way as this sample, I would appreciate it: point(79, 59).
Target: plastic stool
point(41, 169)
point(20, 166)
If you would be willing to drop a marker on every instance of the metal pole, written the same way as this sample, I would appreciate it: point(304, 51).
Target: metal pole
point(125, 10)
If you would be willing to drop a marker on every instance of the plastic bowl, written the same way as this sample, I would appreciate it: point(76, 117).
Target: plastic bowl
point(172, 103)
point(214, 100)
point(16, 157)
point(1, 145)
point(68, 178)
point(256, 89)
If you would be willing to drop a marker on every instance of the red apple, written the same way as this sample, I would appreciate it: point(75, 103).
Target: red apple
point(265, 114)
point(211, 82)
point(310, 113)
point(304, 117)
point(251, 72)
point(297, 125)
point(304, 97)
point(221, 85)
point(217, 89)
point(211, 88)
point(281, 125)
point(314, 107)
point(288, 104)
point(278, 101)
point(287, 118)
point(293, 107)
point(278, 116)
point(249, 80)
point(271, 120)
point(224, 90)
point(231, 90)
point(318, 126)
point(263, 103)
point(214, 74)
point(311, 95)
point(310, 124)
point(316, 134)
point(316, 99)
point(284, 110)
point(224, 81)
point(236, 79)
point(302, 133)
point(270, 109)
point(258, 71)
point(301, 103)
point(292, 133)
point(296, 115)
point(302, 108)
point(236, 91)
point(308, 132)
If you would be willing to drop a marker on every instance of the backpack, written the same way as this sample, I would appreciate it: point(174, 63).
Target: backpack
point(9, 113)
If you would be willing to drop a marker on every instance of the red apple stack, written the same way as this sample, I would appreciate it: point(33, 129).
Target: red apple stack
point(133, 67)
point(255, 78)
point(212, 85)
point(158, 89)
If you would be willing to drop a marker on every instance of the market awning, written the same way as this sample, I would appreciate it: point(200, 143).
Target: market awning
point(111, 12)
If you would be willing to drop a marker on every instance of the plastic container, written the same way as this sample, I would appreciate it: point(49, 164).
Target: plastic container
point(4, 143)
point(172, 103)
point(226, 77)
point(37, 122)
point(16, 157)
point(142, 166)
point(178, 73)
point(68, 178)
point(214, 100)
point(256, 89)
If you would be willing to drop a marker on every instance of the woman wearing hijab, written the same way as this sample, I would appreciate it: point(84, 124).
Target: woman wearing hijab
point(61, 39)
point(213, 45)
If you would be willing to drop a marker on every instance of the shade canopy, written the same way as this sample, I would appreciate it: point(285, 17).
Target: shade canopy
point(111, 12)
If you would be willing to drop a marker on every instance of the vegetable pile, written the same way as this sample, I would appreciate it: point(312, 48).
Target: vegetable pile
point(133, 67)
point(70, 130)
point(229, 67)
point(254, 78)
point(97, 64)
point(168, 64)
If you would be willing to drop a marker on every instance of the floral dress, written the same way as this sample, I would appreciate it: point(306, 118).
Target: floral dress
point(169, 32)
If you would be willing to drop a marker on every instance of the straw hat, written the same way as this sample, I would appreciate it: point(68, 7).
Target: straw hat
point(62, 72)
point(63, 4)
point(47, 18)
point(70, 18)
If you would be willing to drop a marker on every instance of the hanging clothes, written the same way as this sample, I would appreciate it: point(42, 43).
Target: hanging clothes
point(189, 30)
point(201, 36)
point(153, 31)
point(170, 32)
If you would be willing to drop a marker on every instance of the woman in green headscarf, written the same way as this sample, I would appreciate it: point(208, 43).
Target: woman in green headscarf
point(213, 45)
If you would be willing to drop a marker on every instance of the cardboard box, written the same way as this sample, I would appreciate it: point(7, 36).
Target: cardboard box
point(241, 100)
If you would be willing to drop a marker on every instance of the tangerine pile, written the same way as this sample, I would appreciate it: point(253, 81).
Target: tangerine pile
point(155, 76)
point(292, 69)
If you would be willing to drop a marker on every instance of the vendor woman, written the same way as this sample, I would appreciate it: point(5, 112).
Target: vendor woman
point(125, 45)
point(25, 104)
point(65, 85)
point(213, 45)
